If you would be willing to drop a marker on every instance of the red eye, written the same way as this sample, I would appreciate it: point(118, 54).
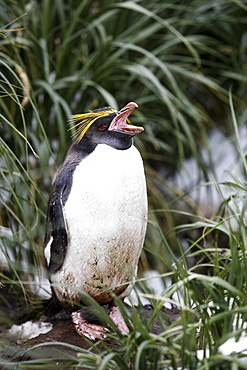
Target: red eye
point(102, 127)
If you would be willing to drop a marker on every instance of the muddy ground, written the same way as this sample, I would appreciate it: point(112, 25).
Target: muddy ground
point(13, 349)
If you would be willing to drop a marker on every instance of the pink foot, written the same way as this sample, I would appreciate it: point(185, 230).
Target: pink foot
point(91, 331)
point(118, 319)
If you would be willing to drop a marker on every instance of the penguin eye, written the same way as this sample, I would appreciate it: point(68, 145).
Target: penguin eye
point(102, 127)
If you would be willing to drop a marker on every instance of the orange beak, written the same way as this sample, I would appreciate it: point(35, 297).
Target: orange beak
point(119, 123)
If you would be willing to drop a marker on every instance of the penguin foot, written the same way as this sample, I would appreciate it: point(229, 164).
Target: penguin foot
point(118, 319)
point(91, 331)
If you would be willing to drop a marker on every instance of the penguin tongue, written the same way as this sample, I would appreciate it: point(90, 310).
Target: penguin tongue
point(120, 124)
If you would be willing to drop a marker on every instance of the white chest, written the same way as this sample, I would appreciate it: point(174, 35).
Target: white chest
point(106, 216)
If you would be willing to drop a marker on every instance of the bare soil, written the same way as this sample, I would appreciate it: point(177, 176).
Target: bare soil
point(13, 349)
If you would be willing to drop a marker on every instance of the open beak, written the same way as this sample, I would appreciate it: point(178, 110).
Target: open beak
point(119, 123)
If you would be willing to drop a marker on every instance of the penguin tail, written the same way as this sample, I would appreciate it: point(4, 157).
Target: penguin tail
point(37, 307)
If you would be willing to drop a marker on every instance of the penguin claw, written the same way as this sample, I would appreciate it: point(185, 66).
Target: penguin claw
point(118, 319)
point(90, 331)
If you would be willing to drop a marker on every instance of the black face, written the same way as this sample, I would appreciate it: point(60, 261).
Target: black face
point(98, 134)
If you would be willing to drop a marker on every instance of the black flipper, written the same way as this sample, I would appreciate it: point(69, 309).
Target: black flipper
point(55, 222)
point(56, 226)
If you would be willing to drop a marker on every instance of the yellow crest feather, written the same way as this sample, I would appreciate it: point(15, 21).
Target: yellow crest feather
point(85, 120)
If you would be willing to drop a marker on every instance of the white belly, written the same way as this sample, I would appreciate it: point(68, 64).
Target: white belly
point(106, 217)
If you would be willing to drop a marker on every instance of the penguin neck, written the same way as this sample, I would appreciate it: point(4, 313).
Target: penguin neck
point(119, 141)
point(114, 140)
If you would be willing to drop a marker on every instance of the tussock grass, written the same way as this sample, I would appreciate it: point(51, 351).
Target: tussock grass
point(178, 62)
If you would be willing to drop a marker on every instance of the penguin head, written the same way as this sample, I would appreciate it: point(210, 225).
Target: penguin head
point(106, 126)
